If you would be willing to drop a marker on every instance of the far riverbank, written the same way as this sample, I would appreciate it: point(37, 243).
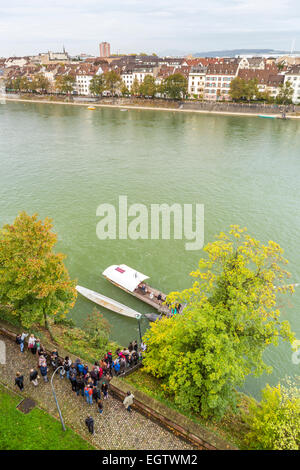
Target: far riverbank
point(181, 109)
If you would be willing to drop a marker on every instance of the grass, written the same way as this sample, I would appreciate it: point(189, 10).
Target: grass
point(231, 428)
point(36, 430)
point(76, 341)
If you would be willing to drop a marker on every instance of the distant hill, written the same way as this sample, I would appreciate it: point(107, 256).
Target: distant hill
point(234, 52)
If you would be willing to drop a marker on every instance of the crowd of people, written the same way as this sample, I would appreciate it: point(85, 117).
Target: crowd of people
point(92, 384)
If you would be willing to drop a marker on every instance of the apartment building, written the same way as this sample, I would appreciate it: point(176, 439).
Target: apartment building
point(196, 83)
point(293, 76)
point(217, 81)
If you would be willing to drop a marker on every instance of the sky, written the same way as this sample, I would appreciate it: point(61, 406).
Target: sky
point(163, 26)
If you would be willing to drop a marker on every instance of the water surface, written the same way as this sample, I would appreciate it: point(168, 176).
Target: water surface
point(63, 161)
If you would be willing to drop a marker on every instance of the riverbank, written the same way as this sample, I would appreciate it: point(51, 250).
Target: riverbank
point(151, 108)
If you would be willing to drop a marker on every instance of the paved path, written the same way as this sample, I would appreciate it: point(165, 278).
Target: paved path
point(114, 429)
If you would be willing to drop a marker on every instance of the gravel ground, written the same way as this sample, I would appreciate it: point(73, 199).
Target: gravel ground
point(115, 428)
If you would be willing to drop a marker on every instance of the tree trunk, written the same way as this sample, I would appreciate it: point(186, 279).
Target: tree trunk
point(47, 327)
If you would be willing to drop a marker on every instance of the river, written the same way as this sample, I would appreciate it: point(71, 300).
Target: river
point(64, 161)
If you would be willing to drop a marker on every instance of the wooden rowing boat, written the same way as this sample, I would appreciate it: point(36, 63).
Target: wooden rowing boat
point(132, 281)
point(108, 303)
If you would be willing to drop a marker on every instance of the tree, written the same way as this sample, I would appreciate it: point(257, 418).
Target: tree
point(251, 89)
point(230, 317)
point(148, 87)
point(97, 85)
point(113, 82)
point(285, 94)
point(34, 282)
point(124, 90)
point(135, 87)
point(237, 89)
point(65, 83)
point(175, 86)
point(98, 329)
point(275, 421)
point(266, 96)
point(41, 83)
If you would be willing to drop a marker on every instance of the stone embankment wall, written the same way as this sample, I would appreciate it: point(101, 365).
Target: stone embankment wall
point(239, 107)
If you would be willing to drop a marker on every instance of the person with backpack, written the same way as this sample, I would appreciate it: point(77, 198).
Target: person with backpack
point(95, 375)
point(80, 368)
point(89, 422)
point(33, 377)
point(96, 394)
point(116, 367)
point(88, 392)
point(79, 385)
point(19, 381)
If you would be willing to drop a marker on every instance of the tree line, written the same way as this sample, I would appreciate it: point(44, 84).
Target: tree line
point(175, 86)
point(247, 90)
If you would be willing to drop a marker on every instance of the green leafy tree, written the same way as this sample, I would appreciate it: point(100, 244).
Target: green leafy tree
point(113, 82)
point(40, 83)
point(124, 90)
point(175, 86)
point(13, 84)
point(285, 94)
point(97, 85)
point(135, 87)
point(275, 421)
point(65, 83)
point(251, 89)
point(148, 87)
point(98, 329)
point(237, 89)
point(34, 283)
point(266, 96)
point(24, 84)
point(229, 319)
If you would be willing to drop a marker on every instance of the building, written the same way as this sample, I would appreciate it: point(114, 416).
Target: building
point(196, 84)
point(83, 76)
point(293, 76)
point(217, 81)
point(252, 63)
point(268, 80)
point(104, 49)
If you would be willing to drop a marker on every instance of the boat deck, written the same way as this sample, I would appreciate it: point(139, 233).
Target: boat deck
point(154, 302)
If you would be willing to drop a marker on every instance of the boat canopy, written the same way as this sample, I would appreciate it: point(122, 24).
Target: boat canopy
point(124, 276)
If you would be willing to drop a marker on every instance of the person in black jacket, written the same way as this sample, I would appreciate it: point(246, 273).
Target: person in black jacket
point(96, 394)
point(33, 377)
point(79, 384)
point(73, 374)
point(19, 381)
point(90, 424)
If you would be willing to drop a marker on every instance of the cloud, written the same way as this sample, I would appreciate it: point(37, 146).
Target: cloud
point(136, 25)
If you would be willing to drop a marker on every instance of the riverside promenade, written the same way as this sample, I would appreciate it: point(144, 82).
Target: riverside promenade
point(114, 429)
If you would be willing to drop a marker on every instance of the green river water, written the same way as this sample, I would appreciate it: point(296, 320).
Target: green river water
point(63, 161)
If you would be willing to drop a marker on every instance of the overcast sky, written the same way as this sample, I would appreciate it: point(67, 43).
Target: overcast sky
point(162, 26)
